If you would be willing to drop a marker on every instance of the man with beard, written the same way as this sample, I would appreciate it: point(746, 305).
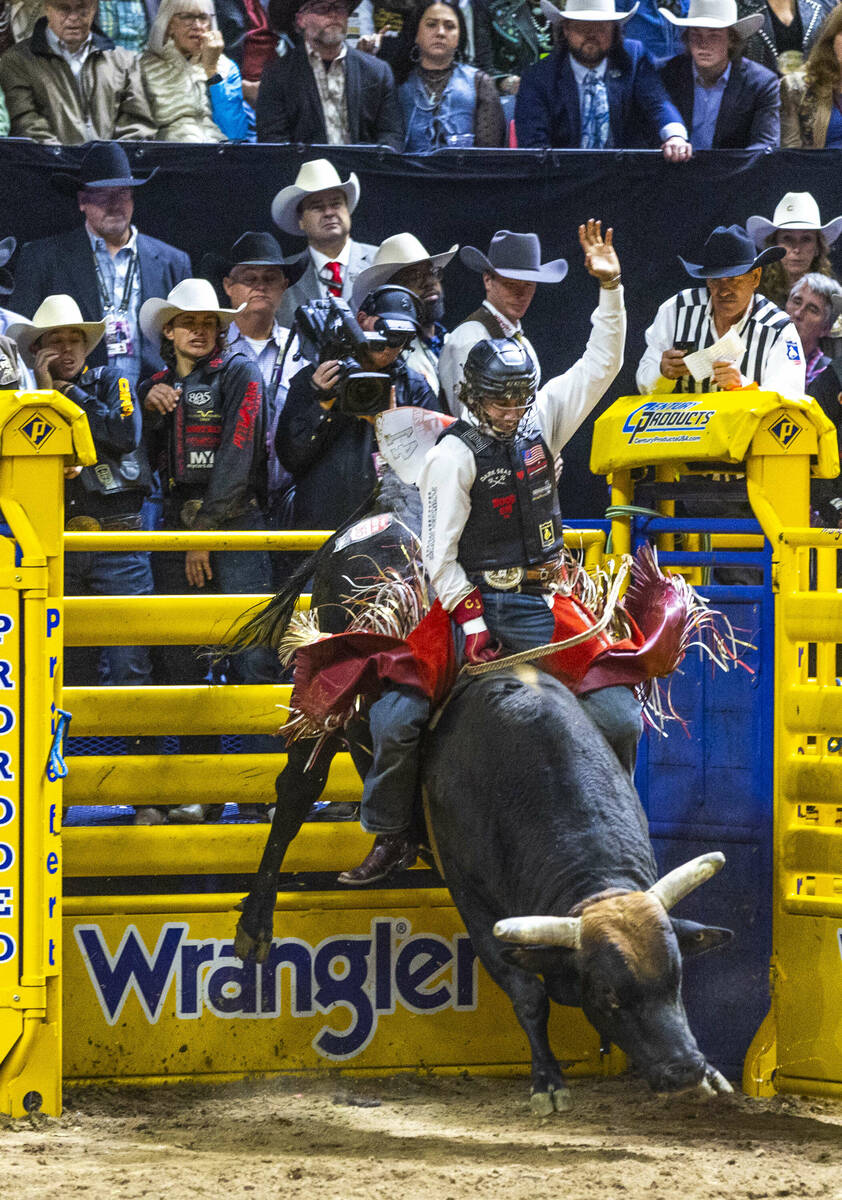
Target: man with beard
point(319, 206)
point(321, 91)
point(402, 260)
point(597, 91)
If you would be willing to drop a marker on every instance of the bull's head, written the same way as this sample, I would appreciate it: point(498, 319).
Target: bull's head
point(626, 952)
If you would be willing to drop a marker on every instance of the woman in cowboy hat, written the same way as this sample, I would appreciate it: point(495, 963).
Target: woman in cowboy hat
point(109, 495)
point(726, 101)
point(205, 418)
point(797, 226)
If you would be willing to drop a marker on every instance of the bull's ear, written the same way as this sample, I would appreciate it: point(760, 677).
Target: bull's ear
point(538, 959)
point(696, 939)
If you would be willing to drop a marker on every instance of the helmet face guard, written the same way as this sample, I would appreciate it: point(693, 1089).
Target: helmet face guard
point(499, 373)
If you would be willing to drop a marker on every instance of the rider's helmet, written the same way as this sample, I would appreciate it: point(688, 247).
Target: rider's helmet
point(498, 385)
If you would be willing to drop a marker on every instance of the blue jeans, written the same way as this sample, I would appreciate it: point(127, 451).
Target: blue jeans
point(100, 574)
point(234, 572)
point(520, 621)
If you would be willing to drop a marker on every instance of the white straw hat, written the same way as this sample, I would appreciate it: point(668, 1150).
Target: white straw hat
point(587, 10)
point(396, 252)
point(318, 175)
point(55, 312)
point(191, 295)
point(797, 210)
point(716, 14)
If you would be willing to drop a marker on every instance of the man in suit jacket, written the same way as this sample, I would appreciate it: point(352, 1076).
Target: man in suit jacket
point(596, 91)
point(726, 101)
point(105, 265)
point(320, 90)
point(318, 206)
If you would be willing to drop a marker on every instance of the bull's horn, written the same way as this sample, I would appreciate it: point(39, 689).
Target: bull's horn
point(680, 882)
point(541, 931)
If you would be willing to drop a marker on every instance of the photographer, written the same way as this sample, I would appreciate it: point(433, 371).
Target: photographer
point(328, 450)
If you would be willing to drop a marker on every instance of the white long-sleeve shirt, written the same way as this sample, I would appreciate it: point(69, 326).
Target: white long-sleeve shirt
point(781, 365)
point(449, 470)
point(456, 350)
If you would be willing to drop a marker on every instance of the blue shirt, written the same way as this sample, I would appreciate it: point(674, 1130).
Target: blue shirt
point(706, 105)
point(114, 271)
point(125, 22)
point(671, 129)
point(834, 129)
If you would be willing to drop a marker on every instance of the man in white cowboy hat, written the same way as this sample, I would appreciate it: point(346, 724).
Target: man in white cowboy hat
point(725, 100)
point(511, 271)
point(206, 430)
point(597, 90)
point(106, 264)
point(797, 226)
point(766, 351)
point(319, 206)
point(318, 90)
point(56, 343)
point(402, 260)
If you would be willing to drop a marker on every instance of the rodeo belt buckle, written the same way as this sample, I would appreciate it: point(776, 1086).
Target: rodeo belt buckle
point(505, 580)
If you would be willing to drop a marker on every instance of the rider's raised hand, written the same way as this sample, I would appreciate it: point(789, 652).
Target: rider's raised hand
point(601, 259)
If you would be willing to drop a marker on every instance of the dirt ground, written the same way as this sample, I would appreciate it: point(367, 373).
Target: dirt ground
point(408, 1138)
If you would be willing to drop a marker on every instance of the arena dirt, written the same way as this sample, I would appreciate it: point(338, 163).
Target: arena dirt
point(420, 1138)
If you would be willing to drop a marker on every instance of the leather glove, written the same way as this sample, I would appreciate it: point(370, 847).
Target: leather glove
point(468, 613)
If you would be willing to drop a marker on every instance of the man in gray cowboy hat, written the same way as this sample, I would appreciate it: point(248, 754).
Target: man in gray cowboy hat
point(402, 260)
point(510, 273)
point(768, 351)
point(725, 100)
point(106, 264)
point(596, 90)
point(319, 206)
point(321, 91)
point(256, 274)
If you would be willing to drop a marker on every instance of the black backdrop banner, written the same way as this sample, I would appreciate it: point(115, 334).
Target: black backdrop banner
point(204, 197)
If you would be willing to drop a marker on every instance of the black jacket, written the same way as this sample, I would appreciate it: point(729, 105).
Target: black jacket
point(289, 108)
point(750, 113)
point(237, 475)
point(329, 454)
point(64, 265)
point(115, 486)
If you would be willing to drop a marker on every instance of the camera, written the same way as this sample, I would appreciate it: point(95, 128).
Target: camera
point(327, 329)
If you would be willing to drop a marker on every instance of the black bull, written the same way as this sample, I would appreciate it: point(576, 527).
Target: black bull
point(543, 842)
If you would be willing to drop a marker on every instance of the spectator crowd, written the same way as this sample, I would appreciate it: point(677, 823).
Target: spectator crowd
point(420, 76)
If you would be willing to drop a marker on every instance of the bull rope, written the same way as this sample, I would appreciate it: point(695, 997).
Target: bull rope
point(525, 656)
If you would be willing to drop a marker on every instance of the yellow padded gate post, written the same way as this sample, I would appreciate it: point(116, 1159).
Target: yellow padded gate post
point(38, 433)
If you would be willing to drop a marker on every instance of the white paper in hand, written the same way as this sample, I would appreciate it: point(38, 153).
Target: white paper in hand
point(405, 435)
point(729, 348)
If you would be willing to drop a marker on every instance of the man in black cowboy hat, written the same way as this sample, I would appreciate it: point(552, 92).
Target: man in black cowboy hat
point(106, 265)
point(257, 274)
point(321, 91)
point(510, 273)
point(766, 350)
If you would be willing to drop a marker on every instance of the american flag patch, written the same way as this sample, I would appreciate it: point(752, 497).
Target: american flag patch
point(534, 459)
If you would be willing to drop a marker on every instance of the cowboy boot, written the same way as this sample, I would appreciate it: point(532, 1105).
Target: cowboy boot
point(391, 852)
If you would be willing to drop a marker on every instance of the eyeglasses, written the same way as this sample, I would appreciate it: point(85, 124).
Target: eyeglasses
point(420, 275)
point(193, 18)
point(325, 8)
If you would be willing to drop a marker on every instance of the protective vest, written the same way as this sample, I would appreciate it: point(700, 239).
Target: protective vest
point(197, 425)
point(515, 517)
point(431, 124)
point(694, 330)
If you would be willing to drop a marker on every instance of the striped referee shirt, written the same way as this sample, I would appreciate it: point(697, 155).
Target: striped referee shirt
point(773, 357)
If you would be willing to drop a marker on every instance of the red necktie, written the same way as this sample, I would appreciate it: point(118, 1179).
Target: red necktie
point(335, 269)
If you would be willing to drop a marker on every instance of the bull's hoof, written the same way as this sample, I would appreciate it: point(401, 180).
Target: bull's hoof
point(247, 947)
point(544, 1104)
point(718, 1082)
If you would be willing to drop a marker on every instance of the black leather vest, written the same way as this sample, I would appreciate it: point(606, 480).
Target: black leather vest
point(515, 517)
